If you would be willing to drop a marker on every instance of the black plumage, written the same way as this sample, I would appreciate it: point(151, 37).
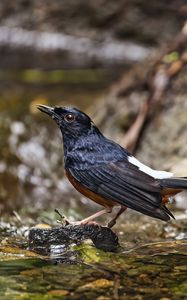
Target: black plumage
point(102, 167)
point(131, 188)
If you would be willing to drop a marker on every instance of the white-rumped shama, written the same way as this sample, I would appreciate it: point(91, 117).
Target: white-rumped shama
point(108, 174)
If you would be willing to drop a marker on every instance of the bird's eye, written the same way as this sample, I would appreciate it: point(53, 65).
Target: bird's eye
point(69, 118)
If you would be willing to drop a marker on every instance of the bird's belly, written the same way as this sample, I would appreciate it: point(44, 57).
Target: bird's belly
point(90, 194)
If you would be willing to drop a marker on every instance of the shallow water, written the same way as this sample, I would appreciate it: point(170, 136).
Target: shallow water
point(151, 264)
point(154, 271)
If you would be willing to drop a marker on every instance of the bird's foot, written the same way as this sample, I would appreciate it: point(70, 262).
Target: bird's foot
point(82, 222)
point(111, 223)
point(64, 221)
point(116, 216)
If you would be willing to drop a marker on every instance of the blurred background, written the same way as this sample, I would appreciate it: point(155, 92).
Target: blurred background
point(123, 62)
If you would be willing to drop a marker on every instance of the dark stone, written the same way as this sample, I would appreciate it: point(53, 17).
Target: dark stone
point(58, 239)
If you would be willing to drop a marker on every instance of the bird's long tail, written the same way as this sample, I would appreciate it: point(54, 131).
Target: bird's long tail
point(178, 183)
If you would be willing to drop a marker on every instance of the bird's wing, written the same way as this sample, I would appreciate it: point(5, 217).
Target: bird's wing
point(124, 183)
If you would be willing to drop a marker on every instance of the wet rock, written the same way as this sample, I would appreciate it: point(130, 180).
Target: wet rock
point(96, 284)
point(56, 240)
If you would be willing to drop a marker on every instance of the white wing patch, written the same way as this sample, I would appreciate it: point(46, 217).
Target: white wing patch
point(154, 173)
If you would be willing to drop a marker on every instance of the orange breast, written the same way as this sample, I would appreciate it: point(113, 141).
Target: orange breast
point(89, 194)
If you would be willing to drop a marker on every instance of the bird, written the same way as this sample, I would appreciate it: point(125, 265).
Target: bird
point(109, 174)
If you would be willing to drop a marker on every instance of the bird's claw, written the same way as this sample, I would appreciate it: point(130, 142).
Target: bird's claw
point(63, 219)
point(111, 223)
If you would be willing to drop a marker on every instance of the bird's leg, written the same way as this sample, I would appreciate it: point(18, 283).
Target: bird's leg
point(96, 215)
point(90, 218)
point(113, 221)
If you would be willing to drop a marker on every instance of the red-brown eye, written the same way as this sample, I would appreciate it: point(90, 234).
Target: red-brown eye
point(69, 118)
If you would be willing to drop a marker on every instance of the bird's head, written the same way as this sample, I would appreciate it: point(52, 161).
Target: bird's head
point(71, 121)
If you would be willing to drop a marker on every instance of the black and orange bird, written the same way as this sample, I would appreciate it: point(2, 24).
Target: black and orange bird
point(108, 174)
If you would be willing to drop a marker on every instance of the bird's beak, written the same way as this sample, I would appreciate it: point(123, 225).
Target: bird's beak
point(46, 109)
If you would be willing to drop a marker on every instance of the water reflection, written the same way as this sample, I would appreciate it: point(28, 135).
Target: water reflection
point(135, 274)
